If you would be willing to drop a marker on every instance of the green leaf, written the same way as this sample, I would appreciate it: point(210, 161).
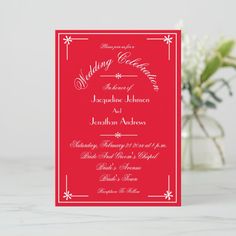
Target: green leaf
point(214, 96)
point(212, 66)
point(226, 47)
point(208, 84)
point(229, 62)
point(210, 104)
point(224, 82)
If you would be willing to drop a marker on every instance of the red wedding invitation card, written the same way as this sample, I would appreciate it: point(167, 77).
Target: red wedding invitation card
point(118, 118)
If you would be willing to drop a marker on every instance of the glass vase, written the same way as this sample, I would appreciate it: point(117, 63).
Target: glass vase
point(202, 142)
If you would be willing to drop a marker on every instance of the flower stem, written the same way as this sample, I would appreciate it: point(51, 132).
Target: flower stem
point(185, 122)
point(208, 136)
point(191, 144)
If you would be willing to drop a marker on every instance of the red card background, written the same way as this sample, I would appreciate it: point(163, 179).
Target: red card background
point(74, 109)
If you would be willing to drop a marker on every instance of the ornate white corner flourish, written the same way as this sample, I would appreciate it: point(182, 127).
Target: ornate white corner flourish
point(68, 41)
point(166, 39)
point(167, 194)
point(68, 195)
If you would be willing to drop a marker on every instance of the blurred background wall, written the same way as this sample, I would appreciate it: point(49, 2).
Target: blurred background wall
point(27, 58)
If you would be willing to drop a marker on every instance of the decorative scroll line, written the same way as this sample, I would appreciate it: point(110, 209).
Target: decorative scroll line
point(118, 76)
point(118, 135)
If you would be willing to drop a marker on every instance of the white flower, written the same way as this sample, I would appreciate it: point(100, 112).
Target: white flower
point(168, 195)
point(117, 134)
point(167, 39)
point(118, 76)
point(67, 195)
point(67, 40)
point(194, 55)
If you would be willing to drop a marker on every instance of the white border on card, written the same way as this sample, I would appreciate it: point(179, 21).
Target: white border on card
point(58, 119)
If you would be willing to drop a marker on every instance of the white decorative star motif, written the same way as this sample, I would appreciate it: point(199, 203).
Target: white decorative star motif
point(67, 40)
point(117, 135)
point(118, 76)
point(168, 195)
point(67, 195)
point(168, 39)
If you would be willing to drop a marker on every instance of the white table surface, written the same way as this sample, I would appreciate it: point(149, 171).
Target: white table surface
point(27, 206)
